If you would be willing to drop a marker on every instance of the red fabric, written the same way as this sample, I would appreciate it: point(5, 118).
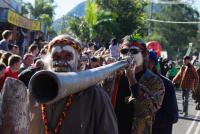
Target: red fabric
point(155, 46)
point(188, 77)
point(115, 91)
point(134, 43)
point(8, 73)
point(11, 74)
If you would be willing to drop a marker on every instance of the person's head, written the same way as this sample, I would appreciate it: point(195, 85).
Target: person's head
point(186, 60)
point(89, 53)
point(39, 64)
point(2, 70)
point(91, 46)
point(35, 59)
point(64, 53)
point(94, 62)
point(101, 60)
point(135, 47)
point(42, 44)
point(14, 62)
point(43, 52)
point(153, 61)
point(113, 41)
point(33, 49)
point(5, 57)
point(7, 35)
point(109, 60)
point(84, 61)
point(28, 59)
point(14, 49)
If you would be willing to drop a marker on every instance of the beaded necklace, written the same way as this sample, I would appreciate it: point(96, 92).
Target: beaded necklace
point(61, 118)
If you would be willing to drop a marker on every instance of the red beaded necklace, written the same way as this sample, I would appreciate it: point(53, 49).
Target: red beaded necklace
point(61, 119)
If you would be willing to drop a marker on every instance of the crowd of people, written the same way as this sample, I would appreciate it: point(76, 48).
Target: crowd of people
point(139, 99)
point(12, 63)
point(184, 77)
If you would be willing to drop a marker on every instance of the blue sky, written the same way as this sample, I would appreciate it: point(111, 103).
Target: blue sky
point(63, 6)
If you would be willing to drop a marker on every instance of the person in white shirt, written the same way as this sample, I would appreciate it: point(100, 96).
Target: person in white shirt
point(114, 48)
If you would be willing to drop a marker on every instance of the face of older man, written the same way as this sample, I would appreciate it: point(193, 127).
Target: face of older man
point(134, 52)
point(64, 58)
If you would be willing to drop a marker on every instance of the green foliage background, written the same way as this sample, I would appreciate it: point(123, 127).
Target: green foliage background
point(175, 37)
point(105, 19)
point(43, 10)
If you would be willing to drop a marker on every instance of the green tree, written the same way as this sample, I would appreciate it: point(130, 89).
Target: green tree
point(41, 7)
point(130, 14)
point(175, 36)
point(90, 16)
point(106, 26)
point(105, 19)
point(43, 10)
point(78, 27)
point(24, 9)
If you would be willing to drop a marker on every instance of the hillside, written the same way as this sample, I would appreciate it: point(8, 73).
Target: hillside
point(76, 11)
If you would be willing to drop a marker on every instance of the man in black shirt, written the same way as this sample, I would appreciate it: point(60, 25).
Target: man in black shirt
point(139, 92)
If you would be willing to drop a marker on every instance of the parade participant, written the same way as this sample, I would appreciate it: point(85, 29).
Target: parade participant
point(84, 62)
point(14, 49)
point(14, 62)
point(33, 49)
point(4, 58)
point(7, 36)
point(91, 47)
point(27, 62)
point(138, 93)
point(86, 112)
point(167, 115)
point(114, 48)
point(12, 70)
point(188, 78)
point(94, 62)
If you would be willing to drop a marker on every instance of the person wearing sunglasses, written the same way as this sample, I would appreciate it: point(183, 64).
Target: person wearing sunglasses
point(138, 93)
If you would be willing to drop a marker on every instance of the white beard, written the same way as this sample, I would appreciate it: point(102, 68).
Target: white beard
point(66, 66)
point(62, 69)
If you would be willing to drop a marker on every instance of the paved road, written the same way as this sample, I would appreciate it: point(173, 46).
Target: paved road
point(190, 124)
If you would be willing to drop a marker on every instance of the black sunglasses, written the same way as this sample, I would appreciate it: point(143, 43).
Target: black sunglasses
point(131, 50)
